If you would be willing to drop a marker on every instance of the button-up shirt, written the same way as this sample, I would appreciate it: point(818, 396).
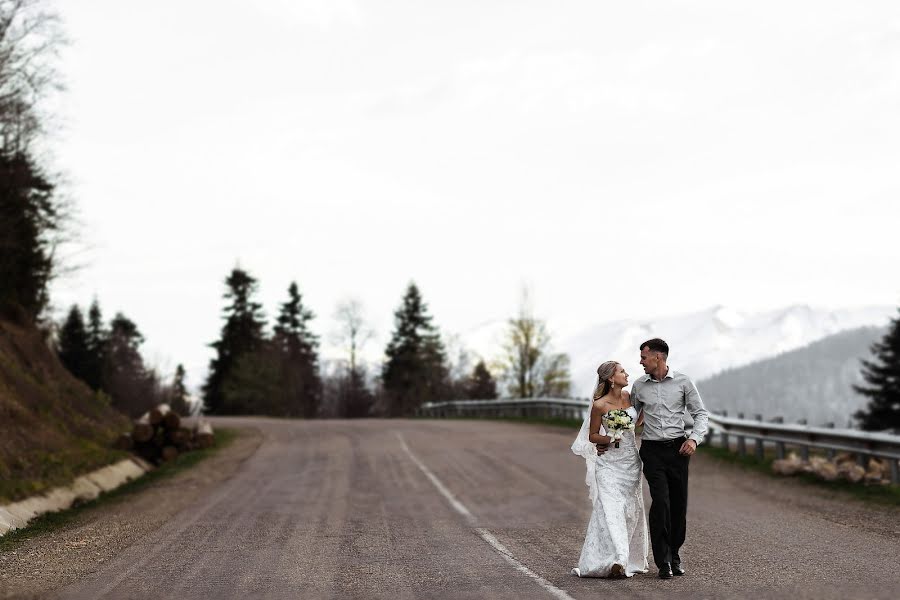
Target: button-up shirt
point(664, 402)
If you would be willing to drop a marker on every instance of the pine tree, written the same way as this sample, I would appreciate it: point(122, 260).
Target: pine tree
point(241, 334)
point(179, 393)
point(291, 330)
point(30, 215)
point(297, 345)
point(133, 388)
point(254, 384)
point(883, 378)
point(73, 344)
point(415, 371)
point(97, 337)
point(356, 400)
point(29, 218)
point(481, 384)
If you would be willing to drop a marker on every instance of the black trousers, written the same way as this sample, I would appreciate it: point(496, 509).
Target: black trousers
point(667, 476)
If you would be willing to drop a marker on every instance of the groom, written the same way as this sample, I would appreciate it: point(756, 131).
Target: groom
point(664, 394)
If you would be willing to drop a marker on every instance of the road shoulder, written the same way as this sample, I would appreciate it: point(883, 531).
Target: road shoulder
point(53, 560)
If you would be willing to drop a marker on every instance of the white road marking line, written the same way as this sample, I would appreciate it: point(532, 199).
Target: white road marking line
point(460, 508)
point(486, 535)
point(501, 549)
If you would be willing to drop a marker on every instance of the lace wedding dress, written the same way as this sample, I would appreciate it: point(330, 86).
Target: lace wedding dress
point(617, 532)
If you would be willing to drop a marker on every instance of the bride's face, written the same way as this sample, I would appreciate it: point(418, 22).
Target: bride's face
point(620, 377)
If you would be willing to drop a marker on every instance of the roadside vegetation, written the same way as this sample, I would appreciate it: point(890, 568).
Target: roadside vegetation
point(54, 521)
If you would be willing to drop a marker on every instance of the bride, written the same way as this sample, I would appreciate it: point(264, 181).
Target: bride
point(616, 541)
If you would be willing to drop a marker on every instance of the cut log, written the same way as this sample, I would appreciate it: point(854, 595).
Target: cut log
point(823, 468)
point(851, 472)
point(845, 458)
point(169, 453)
point(204, 435)
point(788, 466)
point(148, 451)
point(124, 442)
point(158, 413)
point(143, 430)
point(180, 438)
point(172, 420)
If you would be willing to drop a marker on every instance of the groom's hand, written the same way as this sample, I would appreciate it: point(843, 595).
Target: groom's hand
point(688, 447)
point(601, 448)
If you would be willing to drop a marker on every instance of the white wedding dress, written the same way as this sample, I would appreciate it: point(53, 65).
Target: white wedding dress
point(617, 531)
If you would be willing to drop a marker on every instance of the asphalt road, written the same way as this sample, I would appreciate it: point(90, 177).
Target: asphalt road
point(475, 509)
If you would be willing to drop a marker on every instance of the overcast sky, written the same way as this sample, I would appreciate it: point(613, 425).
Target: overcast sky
point(624, 159)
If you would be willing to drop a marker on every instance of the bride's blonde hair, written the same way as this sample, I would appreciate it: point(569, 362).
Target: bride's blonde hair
point(604, 372)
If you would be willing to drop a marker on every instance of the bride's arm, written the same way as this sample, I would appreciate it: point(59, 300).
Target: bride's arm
point(595, 437)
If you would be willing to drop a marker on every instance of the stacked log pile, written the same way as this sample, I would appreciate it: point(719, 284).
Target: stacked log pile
point(843, 466)
point(160, 435)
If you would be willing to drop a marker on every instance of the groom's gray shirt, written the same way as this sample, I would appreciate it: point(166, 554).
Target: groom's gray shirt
point(664, 402)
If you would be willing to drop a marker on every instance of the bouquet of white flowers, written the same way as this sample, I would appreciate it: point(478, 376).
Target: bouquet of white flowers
point(617, 422)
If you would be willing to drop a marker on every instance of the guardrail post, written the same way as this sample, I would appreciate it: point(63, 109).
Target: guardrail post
point(725, 441)
point(895, 472)
point(830, 453)
point(804, 450)
point(741, 440)
point(779, 446)
point(760, 450)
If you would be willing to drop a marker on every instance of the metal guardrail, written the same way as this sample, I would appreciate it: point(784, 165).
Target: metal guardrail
point(562, 408)
point(864, 444)
point(722, 428)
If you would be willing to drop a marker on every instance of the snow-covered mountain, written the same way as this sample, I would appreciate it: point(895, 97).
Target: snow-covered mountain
point(707, 342)
point(701, 344)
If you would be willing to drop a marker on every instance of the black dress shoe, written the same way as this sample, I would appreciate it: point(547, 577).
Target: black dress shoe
point(665, 572)
point(677, 568)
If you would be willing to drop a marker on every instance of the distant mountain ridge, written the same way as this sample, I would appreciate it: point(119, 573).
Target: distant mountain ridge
point(702, 343)
point(712, 340)
point(813, 383)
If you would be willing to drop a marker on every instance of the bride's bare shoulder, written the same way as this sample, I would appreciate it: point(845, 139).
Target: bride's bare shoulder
point(602, 404)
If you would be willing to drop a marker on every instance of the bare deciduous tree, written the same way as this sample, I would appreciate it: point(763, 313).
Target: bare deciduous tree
point(346, 389)
point(30, 38)
point(529, 367)
point(33, 217)
point(352, 332)
point(459, 364)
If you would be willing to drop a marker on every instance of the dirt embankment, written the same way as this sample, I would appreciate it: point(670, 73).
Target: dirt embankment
point(52, 426)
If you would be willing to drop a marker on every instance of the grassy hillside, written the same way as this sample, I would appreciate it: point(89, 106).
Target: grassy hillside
point(52, 427)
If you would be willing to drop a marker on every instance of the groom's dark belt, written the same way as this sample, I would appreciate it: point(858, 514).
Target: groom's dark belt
point(678, 440)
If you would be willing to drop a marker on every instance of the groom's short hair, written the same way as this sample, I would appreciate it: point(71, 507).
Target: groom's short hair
point(656, 345)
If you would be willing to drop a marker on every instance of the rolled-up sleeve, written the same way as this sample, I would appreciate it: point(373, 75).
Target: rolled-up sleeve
point(635, 398)
point(698, 412)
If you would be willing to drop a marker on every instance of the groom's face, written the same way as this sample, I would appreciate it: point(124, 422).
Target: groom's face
point(649, 360)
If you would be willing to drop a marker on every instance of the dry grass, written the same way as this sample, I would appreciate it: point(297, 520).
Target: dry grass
point(53, 428)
